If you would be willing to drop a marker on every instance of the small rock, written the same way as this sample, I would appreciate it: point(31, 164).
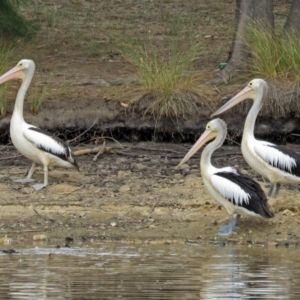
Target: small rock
point(40, 237)
point(122, 174)
point(140, 166)
point(97, 82)
point(113, 224)
point(184, 167)
point(295, 209)
point(124, 188)
point(271, 244)
point(177, 176)
point(120, 160)
point(9, 251)
point(287, 212)
point(155, 161)
point(152, 226)
point(126, 80)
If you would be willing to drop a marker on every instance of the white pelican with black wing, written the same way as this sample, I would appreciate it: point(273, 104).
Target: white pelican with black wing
point(276, 163)
point(237, 193)
point(36, 144)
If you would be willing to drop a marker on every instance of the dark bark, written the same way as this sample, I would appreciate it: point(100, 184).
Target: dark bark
point(292, 25)
point(247, 11)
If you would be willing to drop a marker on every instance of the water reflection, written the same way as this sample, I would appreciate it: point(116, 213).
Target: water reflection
point(255, 274)
point(111, 271)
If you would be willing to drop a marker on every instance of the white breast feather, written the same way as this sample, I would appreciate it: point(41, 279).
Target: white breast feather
point(44, 141)
point(274, 157)
point(230, 190)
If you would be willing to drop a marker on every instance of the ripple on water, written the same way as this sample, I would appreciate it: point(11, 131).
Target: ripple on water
point(110, 271)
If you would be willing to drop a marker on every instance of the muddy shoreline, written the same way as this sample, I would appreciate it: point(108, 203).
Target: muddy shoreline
point(136, 195)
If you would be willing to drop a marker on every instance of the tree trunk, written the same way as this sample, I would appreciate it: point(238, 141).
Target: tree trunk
point(292, 25)
point(247, 11)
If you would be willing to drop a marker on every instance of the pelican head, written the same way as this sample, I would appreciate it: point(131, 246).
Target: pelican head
point(20, 71)
point(253, 89)
point(213, 128)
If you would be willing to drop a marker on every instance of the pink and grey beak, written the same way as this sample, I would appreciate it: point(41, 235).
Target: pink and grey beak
point(14, 73)
point(246, 93)
point(206, 136)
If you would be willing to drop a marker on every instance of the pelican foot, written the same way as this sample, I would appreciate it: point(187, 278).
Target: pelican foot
point(226, 230)
point(39, 186)
point(229, 229)
point(24, 180)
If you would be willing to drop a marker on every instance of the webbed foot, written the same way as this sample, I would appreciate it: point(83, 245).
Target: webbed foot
point(39, 186)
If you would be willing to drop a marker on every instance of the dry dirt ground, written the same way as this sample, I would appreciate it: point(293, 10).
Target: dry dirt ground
point(133, 193)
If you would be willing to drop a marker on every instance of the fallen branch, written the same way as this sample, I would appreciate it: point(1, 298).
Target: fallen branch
point(93, 151)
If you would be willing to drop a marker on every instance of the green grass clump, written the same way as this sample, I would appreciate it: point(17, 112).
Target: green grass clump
point(6, 54)
point(166, 78)
point(274, 54)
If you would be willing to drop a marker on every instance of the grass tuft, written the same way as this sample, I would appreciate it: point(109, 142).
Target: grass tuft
point(274, 54)
point(6, 54)
point(166, 79)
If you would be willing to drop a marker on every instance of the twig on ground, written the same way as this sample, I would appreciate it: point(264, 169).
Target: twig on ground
point(75, 190)
point(153, 206)
point(107, 137)
point(102, 149)
point(45, 218)
point(10, 157)
point(91, 151)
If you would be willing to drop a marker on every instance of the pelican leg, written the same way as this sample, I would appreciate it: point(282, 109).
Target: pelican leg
point(271, 189)
point(28, 177)
point(39, 186)
point(277, 189)
point(229, 229)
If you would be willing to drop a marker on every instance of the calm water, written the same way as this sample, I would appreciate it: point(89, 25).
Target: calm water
point(113, 271)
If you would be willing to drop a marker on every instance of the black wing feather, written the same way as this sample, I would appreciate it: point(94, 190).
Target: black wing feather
point(258, 202)
point(67, 156)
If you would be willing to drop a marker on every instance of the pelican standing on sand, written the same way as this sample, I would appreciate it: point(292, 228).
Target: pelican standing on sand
point(276, 163)
point(34, 143)
point(237, 193)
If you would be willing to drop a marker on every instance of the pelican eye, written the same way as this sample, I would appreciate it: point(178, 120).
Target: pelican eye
point(250, 83)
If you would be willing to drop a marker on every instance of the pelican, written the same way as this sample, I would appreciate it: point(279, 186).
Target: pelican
point(276, 163)
point(34, 143)
point(237, 193)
